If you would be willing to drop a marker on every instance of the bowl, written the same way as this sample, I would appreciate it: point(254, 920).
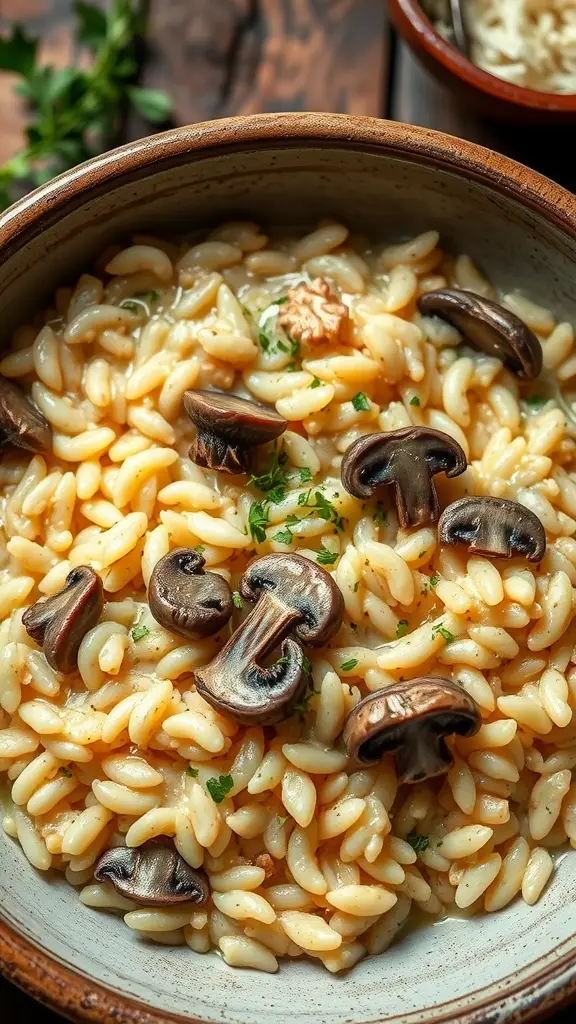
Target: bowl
point(491, 96)
point(383, 179)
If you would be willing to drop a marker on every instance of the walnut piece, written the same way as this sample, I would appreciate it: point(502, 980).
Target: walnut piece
point(314, 313)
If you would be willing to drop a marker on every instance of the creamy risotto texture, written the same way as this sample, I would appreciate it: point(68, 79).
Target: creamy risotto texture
point(273, 678)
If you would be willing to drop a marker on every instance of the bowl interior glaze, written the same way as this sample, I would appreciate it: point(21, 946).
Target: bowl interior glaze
point(383, 180)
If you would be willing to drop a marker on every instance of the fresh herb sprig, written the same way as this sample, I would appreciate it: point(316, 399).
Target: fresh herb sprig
point(76, 112)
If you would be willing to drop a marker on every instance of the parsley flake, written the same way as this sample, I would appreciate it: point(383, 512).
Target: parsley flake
point(415, 400)
point(380, 514)
point(306, 665)
point(139, 632)
point(315, 383)
point(302, 705)
point(200, 549)
point(66, 772)
point(283, 536)
point(280, 301)
point(192, 772)
point(418, 843)
point(325, 557)
point(440, 629)
point(360, 402)
point(536, 402)
point(273, 482)
point(220, 787)
point(258, 520)
point(237, 599)
point(281, 821)
point(347, 666)
point(435, 580)
point(402, 628)
point(305, 475)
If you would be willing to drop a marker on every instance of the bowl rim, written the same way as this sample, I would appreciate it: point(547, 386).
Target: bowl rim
point(414, 20)
point(44, 977)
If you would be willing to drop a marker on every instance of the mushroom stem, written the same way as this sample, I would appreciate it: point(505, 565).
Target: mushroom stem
point(416, 498)
point(213, 452)
point(262, 630)
point(422, 755)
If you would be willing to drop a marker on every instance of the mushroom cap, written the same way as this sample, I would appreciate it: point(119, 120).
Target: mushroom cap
point(59, 623)
point(493, 526)
point(237, 420)
point(411, 719)
point(408, 459)
point(153, 874)
point(186, 599)
point(489, 327)
point(304, 588)
point(21, 423)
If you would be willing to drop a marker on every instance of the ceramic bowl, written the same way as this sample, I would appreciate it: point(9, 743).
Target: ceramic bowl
point(383, 179)
point(488, 94)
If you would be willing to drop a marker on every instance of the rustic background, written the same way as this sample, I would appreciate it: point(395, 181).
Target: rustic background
point(221, 57)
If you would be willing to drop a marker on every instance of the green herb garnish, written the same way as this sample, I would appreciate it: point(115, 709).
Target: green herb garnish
point(536, 401)
point(258, 520)
point(273, 482)
point(325, 557)
point(402, 628)
point(220, 787)
point(283, 536)
point(315, 383)
point(360, 402)
point(280, 301)
point(193, 772)
point(237, 599)
point(440, 629)
point(415, 400)
point(434, 580)
point(302, 705)
point(306, 665)
point(281, 821)
point(305, 475)
point(418, 843)
point(75, 112)
point(355, 591)
point(200, 549)
point(66, 772)
point(347, 666)
point(139, 632)
point(380, 514)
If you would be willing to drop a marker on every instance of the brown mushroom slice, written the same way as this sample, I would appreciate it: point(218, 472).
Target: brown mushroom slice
point(186, 599)
point(292, 595)
point(228, 428)
point(406, 459)
point(60, 623)
point(21, 423)
point(489, 327)
point(154, 875)
point(493, 526)
point(411, 720)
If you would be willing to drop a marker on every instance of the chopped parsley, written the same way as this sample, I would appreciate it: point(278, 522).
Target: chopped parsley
point(192, 772)
point(237, 599)
point(418, 843)
point(200, 549)
point(258, 520)
point(265, 341)
point(139, 632)
point(380, 514)
point(134, 307)
point(415, 400)
point(280, 301)
point(536, 401)
point(273, 481)
point(440, 629)
point(281, 821)
point(315, 383)
point(302, 705)
point(283, 536)
point(355, 591)
point(402, 628)
point(325, 557)
point(434, 580)
point(150, 297)
point(360, 402)
point(305, 475)
point(220, 787)
point(321, 507)
point(66, 772)
point(347, 666)
point(306, 665)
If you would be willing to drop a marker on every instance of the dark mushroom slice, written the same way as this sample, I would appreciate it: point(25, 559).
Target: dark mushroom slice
point(60, 623)
point(153, 874)
point(228, 428)
point(489, 327)
point(21, 423)
point(186, 599)
point(493, 526)
point(411, 720)
point(406, 459)
point(292, 595)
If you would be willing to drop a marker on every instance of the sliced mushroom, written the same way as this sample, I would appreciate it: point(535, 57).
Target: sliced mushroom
point(489, 327)
point(153, 874)
point(411, 720)
point(293, 596)
point(21, 423)
point(407, 459)
point(493, 526)
point(187, 600)
point(228, 428)
point(60, 623)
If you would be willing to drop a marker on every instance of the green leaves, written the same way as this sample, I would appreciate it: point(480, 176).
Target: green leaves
point(325, 557)
point(139, 632)
point(258, 521)
point(237, 600)
point(274, 481)
point(192, 772)
point(220, 787)
point(440, 630)
point(75, 113)
point(402, 628)
point(18, 52)
point(347, 666)
point(418, 843)
point(153, 104)
point(360, 402)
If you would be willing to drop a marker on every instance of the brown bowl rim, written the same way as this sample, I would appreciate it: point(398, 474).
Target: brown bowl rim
point(42, 976)
point(410, 15)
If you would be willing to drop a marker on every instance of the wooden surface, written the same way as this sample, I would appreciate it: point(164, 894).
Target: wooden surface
point(222, 57)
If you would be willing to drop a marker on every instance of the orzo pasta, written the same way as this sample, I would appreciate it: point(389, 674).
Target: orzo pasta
point(207, 770)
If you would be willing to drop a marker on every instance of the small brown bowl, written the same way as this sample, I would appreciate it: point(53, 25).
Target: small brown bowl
point(491, 96)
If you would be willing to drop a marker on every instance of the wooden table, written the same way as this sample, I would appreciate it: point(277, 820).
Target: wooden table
point(223, 57)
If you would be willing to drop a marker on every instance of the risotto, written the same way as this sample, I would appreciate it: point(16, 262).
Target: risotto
point(286, 593)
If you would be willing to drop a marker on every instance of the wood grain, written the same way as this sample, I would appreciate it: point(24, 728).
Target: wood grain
point(222, 57)
point(418, 98)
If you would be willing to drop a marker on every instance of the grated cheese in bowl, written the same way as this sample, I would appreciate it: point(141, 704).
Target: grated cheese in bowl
point(527, 42)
